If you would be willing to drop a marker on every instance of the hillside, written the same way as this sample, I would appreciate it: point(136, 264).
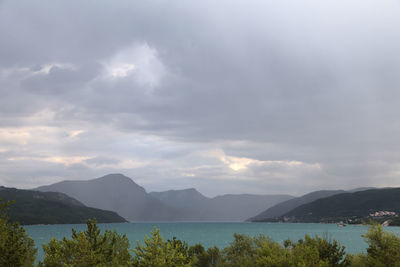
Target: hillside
point(32, 207)
point(118, 193)
point(286, 206)
point(347, 206)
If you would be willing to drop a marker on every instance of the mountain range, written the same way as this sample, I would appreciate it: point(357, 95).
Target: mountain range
point(121, 194)
point(32, 207)
point(230, 207)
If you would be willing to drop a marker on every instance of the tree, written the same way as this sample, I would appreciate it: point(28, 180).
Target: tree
point(318, 251)
point(199, 254)
point(214, 257)
point(256, 251)
point(270, 253)
point(16, 247)
point(156, 252)
point(88, 248)
point(241, 251)
point(205, 258)
point(383, 249)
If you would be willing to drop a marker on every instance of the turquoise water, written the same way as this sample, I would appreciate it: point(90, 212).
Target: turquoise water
point(210, 234)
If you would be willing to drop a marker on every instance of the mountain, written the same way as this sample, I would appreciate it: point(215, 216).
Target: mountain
point(286, 206)
point(32, 207)
point(197, 207)
point(118, 193)
point(347, 206)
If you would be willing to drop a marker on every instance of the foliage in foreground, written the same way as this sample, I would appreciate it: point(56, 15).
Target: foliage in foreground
point(93, 248)
point(88, 248)
point(262, 251)
point(16, 247)
point(158, 253)
point(383, 249)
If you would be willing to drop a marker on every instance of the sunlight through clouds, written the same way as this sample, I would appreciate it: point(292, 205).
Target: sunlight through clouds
point(14, 135)
point(121, 70)
point(75, 133)
point(139, 61)
point(242, 163)
point(60, 160)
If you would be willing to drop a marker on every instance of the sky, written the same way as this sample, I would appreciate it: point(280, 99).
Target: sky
point(238, 96)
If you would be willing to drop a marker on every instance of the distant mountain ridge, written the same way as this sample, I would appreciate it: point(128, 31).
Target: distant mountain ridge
point(228, 207)
point(121, 194)
point(32, 207)
point(180, 198)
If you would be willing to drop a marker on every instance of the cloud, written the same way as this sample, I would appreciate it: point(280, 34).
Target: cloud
point(282, 93)
point(138, 60)
point(67, 161)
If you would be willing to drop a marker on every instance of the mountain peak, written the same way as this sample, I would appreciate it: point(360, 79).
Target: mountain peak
point(186, 190)
point(179, 193)
point(114, 176)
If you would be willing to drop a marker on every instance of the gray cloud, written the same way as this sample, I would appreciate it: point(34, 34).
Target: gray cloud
point(165, 90)
point(102, 161)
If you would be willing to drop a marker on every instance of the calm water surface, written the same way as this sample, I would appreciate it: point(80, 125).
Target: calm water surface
point(210, 234)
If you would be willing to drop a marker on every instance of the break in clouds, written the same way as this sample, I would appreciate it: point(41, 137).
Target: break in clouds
point(227, 96)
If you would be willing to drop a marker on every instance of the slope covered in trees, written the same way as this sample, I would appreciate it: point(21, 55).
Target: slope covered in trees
point(286, 206)
point(32, 207)
point(347, 206)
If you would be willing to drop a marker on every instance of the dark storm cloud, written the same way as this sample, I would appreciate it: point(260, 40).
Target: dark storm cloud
point(259, 81)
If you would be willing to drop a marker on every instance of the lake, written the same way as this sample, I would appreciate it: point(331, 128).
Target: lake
point(210, 234)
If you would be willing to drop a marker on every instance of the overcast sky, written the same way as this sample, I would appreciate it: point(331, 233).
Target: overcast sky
point(225, 96)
